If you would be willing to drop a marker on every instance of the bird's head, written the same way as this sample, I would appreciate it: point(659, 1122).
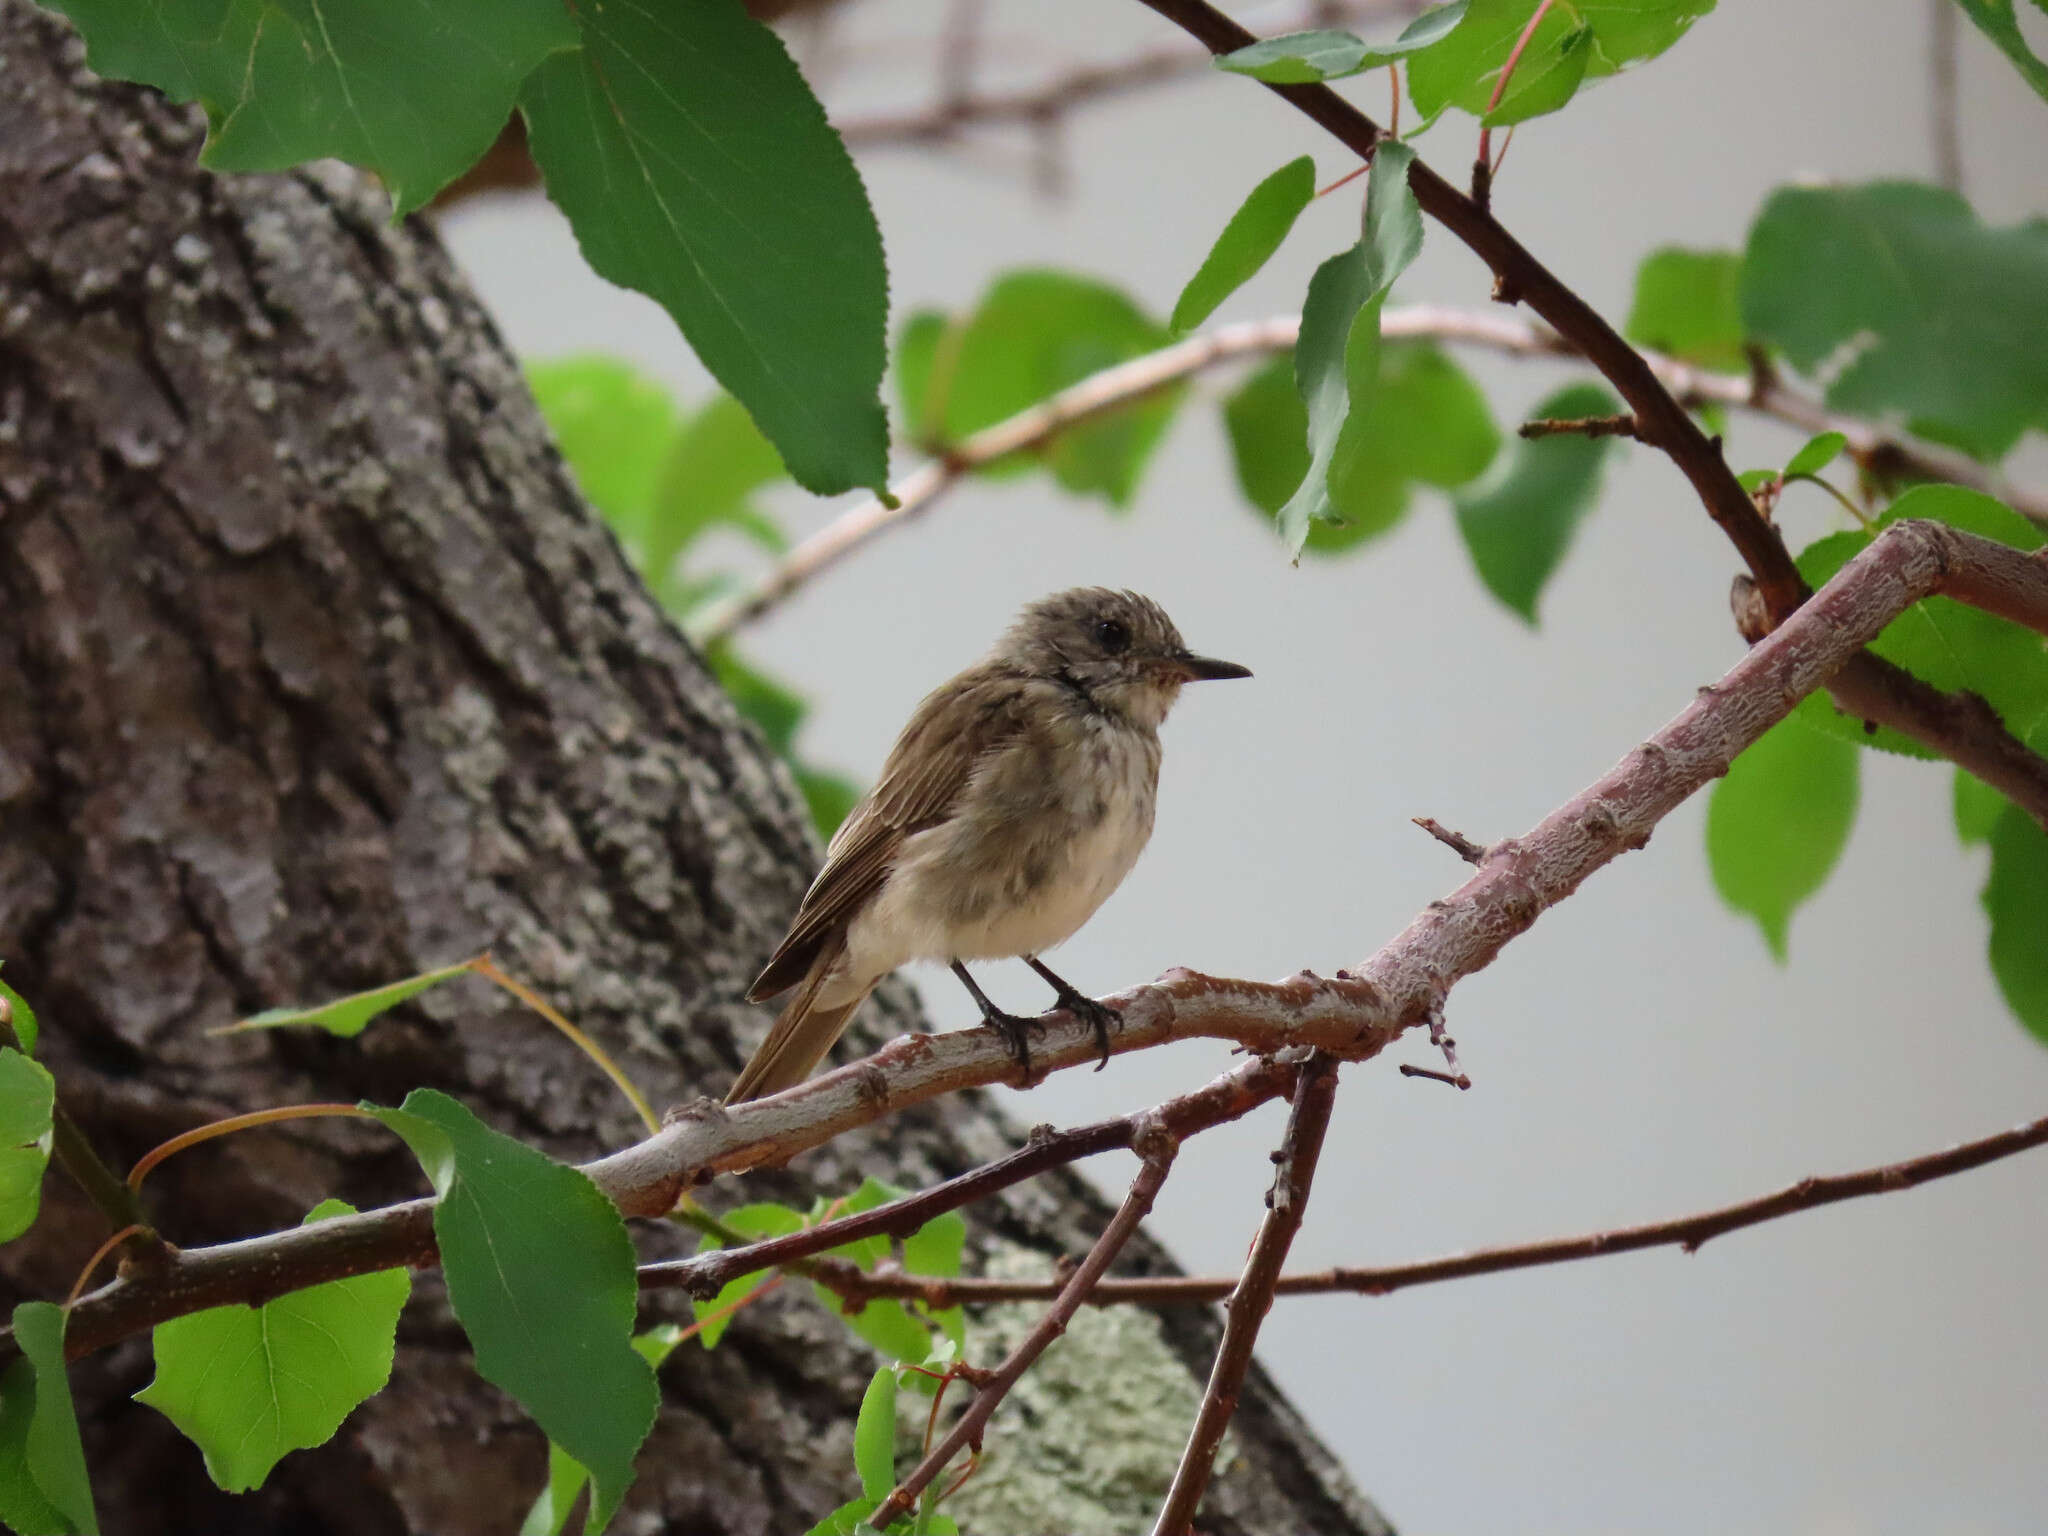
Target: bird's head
point(1117, 650)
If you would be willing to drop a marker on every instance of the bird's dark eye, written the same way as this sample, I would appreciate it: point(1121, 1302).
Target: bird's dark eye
point(1113, 635)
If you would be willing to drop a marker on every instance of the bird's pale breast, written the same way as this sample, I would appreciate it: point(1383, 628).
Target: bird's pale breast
point(1046, 830)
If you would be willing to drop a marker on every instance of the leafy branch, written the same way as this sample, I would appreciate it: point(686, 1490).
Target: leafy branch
point(1874, 689)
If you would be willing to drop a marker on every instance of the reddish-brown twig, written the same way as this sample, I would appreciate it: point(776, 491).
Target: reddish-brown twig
point(1686, 1232)
point(1314, 1094)
point(1484, 166)
point(1156, 1145)
point(1231, 1096)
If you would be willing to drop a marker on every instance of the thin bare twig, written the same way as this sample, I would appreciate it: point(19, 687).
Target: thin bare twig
point(1622, 424)
point(1314, 1095)
point(1687, 1232)
point(1944, 118)
point(1457, 842)
point(1157, 1146)
point(1352, 1016)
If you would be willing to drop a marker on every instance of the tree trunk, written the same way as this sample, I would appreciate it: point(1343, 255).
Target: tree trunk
point(316, 672)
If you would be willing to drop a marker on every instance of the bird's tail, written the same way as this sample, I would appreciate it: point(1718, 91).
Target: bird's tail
point(802, 1035)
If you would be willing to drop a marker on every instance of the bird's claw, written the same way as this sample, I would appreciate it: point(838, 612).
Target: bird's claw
point(1098, 1016)
point(1016, 1033)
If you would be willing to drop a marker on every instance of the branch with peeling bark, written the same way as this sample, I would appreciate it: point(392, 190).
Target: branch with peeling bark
point(1351, 1017)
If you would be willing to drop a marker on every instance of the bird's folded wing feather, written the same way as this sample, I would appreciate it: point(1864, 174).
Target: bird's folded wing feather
point(927, 769)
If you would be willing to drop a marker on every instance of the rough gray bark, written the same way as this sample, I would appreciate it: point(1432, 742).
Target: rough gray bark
point(315, 672)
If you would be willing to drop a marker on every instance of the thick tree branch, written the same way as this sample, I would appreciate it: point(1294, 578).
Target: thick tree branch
point(1351, 1017)
point(1879, 447)
point(1314, 1095)
point(1157, 1146)
point(1687, 1232)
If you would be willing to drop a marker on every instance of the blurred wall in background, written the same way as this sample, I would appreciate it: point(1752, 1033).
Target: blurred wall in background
point(1880, 1367)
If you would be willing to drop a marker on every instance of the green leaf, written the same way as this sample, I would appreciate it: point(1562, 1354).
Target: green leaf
point(773, 707)
point(26, 1029)
point(549, 1513)
point(1519, 521)
point(44, 1488)
point(756, 1222)
point(1034, 333)
point(1250, 238)
point(1303, 58)
point(1577, 41)
point(1546, 82)
point(917, 354)
point(1816, 454)
point(936, 1247)
point(883, 1323)
point(413, 92)
point(829, 796)
point(249, 1384)
point(2016, 899)
point(1906, 304)
point(718, 461)
point(874, 1436)
point(27, 1096)
point(1778, 822)
point(541, 1275)
point(1427, 421)
point(1948, 644)
point(567, 1477)
point(616, 428)
point(349, 1016)
point(1336, 358)
point(1997, 20)
point(850, 1519)
point(1688, 304)
point(696, 167)
point(1268, 429)
point(1977, 807)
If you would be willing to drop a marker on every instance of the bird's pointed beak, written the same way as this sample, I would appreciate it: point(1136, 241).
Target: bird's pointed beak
point(1204, 669)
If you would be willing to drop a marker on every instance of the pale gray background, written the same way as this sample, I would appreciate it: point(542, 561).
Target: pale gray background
point(1875, 1368)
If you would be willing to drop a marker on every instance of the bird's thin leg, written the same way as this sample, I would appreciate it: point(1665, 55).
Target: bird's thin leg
point(1013, 1029)
point(1101, 1015)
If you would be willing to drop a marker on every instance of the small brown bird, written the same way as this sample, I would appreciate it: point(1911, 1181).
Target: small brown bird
point(1017, 798)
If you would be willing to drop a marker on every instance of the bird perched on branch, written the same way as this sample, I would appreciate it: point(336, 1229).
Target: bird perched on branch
point(1017, 798)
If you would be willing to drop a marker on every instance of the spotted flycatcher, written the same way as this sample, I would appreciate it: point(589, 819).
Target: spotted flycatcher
point(1017, 798)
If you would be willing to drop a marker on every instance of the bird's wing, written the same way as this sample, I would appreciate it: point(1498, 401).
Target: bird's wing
point(925, 773)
